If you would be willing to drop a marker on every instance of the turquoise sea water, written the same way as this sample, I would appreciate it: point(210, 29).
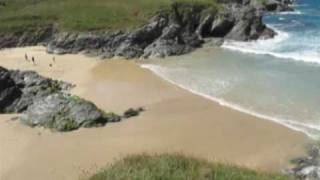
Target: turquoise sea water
point(298, 34)
point(276, 79)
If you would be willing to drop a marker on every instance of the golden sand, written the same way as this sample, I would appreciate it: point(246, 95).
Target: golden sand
point(174, 121)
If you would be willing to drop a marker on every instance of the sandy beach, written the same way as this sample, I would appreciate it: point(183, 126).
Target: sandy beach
point(175, 120)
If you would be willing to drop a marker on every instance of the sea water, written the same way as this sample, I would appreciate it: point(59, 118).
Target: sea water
point(276, 79)
point(298, 34)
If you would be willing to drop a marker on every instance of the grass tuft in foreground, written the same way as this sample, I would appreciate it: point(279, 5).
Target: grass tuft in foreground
point(177, 167)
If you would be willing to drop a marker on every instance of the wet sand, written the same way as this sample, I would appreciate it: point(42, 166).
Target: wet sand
point(174, 121)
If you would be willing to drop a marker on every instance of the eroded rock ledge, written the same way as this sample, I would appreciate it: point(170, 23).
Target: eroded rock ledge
point(178, 30)
point(44, 102)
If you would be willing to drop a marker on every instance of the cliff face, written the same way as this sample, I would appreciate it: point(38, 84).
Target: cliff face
point(176, 31)
point(26, 38)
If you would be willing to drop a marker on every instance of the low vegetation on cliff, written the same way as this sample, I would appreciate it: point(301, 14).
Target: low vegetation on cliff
point(177, 167)
point(80, 15)
point(131, 29)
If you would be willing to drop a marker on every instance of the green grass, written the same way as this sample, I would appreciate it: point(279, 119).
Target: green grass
point(80, 15)
point(177, 167)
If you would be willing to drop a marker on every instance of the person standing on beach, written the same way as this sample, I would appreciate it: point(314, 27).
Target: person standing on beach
point(33, 61)
point(26, 57)
point(54, 59)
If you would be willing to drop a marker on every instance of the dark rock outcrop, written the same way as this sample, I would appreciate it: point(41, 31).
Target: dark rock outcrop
point(249, 26)
point(44, 102)
point(29, 87)
point(176, 31)
point(278, 5)
point(63, 112)
point(9, 91)
point(307, 167)
point(26, 37)
point(75, 42)
point(222, 25)
point(172, 32)
point(132, 112)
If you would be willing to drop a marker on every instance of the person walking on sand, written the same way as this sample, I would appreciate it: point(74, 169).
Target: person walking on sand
point(26, 57)
point(54, 59)
point(33, 61)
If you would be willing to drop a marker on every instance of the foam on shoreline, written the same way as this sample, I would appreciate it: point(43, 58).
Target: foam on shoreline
point(253, 48)
point(308, 129)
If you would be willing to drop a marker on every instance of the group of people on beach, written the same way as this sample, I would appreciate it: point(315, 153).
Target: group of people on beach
point(26, 57)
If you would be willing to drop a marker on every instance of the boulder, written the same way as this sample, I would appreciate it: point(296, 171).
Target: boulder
point(19, 89)
point(62, 112)
point(132, 112)
point(44, 102)
point(33, 86)
point(9, 91)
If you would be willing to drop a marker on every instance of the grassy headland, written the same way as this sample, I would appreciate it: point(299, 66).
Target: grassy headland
point(177, 167)
point(80, 15)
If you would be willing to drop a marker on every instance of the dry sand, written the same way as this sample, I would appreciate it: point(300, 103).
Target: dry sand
point(175, 121)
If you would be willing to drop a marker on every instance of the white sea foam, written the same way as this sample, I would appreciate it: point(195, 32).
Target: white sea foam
point(306, 56)
point(289, 46)
point(266, 47)
point(300, 5)
point(265, 43)
point(290, 12)
point(311, 130)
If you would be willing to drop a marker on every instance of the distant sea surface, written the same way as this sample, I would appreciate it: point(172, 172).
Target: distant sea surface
point(276, 79)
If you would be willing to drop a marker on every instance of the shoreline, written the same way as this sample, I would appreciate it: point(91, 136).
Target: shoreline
point(175, 120)
point(234, 107)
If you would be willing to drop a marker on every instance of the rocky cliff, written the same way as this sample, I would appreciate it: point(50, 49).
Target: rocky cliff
point(174, 31)
point(27, 37)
